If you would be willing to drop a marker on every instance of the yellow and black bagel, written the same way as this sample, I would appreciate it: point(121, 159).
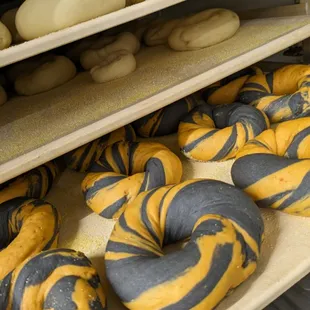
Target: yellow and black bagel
point(283, 94)
point(227, 90)
point(274, 168)
point(28, 226)
point(126, 169)
point(34, 184)
point(166, 120)
point(225, 231)
point(59, 279)
point(83, 157)
point(217, 135)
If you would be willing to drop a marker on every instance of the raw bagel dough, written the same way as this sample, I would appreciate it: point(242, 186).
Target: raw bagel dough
point(115, 66)
point(159, 34)
point(36, 18)
point(5, 37)
point(8, 19)
point(125, 41)
point(124, 170)
point(204, 29)
point(28, 226)
point(55, 71)
point(224, 229)
point(59, 279)
point(3, 96)
point(274, 168)
point(218, 135)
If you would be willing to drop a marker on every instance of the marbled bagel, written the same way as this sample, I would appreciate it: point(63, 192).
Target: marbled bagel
point(28, 226)
point(224, 228)
point(83, 157)
point(227, 90)
point(126, 169)
point(33, 184)
point(274, 168)
point(282, 95)
point(166, 120)
point(217, 136)
point(60, 279)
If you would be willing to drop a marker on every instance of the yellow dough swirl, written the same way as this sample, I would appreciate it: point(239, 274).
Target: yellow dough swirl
point(33, 184)
point(274, 168)
point(126, 169)
point(207, 135)
point(225, 231)
point(282, 95)
point(83, 157)
point(60, 279)
point(204, 29)
point(227, 90)
point(28, 226)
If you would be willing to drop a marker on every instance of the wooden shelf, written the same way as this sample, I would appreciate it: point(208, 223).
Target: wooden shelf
point(65, 36)
point(36, 129)
point(285, 256)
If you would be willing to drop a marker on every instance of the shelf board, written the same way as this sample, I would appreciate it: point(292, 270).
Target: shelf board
point(285, 255)
point(36, 129)
point(34, 47)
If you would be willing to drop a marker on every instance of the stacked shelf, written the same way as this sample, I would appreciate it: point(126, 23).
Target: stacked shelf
point(38, 128)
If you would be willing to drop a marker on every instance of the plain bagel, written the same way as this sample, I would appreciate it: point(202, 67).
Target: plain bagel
point(50, 73)
point(115, 66)
point(36, 18)
point(125, 41)
point(204, 29)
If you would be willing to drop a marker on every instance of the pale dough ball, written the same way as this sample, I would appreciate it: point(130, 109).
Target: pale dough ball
point(124, 41)
point(3, 96)
point(5, 37)
point(8, 19)
point(158, 34)
point(204, 29)
point(36, 18)
point(115, 66)
point(54, 72)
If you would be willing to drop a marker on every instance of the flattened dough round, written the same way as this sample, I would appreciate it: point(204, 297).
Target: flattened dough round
point(55, 71)
point(5, 37)
point(115, 66)
point(36, 18)
point(204, 29)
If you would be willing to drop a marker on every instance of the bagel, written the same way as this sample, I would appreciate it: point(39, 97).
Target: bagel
point(54, 279)
point(282, 95)
point(55, 71)
point(158, 34)
point(166, 120)
point(126, 169)
point(28, 226)
point(3, 96)
point(204, 29)
point(8, 19)
point(33, 184)
point(225, 230)
point(227, 90)
point(274, 168)
point(35, 18)
point(5, 37)
point(125, 41)
point(83, 157)
point(114, 66)
point(199, 138)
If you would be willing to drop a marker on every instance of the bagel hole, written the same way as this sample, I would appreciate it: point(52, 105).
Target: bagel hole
point(171, 248)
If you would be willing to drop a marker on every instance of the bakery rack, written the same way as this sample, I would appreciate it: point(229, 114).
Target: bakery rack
point(36, 129)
